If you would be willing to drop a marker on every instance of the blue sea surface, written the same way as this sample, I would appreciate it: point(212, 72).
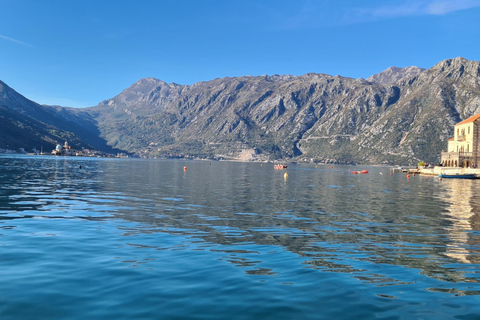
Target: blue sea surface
point(92, 238)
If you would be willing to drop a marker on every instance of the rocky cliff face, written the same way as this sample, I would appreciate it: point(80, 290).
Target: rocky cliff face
point(407, 116)
point(394, 74)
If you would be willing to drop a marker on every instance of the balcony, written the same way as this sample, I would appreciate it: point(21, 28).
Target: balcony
point(466, 154)
point(459, 155)
point(461, 138)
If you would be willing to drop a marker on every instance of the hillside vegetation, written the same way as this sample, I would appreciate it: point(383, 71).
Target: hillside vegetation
point(399, 116)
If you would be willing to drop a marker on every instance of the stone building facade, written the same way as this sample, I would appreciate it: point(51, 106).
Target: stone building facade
point(463, 149)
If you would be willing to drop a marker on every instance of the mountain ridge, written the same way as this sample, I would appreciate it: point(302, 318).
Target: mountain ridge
point(401, 117)
point(281, 116)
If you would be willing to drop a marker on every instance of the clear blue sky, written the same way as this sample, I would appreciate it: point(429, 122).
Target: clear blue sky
point(78, 53)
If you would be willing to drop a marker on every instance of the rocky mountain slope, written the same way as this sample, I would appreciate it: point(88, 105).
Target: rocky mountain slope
point(310, 116)
point(393, 74)
point(26, 124)
point(399, 116)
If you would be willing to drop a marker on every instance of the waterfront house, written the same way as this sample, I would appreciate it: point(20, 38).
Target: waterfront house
point(463, 148)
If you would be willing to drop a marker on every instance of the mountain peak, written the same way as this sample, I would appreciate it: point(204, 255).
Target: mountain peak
point(149, 80)
point(454, 63)
point(145, 89)
point(456, 60)
point(394, 74)
point(457, 67)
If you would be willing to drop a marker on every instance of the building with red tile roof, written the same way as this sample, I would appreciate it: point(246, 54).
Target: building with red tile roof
point(463, 148)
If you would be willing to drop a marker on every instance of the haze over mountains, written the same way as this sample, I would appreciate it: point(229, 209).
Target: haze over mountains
point(398, 116)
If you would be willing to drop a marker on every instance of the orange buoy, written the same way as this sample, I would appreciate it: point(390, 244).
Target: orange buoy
point(364, 171)
point(391, 173)
point(184, 168)
point(331, 167)
point(408, 176)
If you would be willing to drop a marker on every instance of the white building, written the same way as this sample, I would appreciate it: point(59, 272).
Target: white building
point(66, 150)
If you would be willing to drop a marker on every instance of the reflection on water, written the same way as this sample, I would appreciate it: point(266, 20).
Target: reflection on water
point(394, 237)
point(460, 194)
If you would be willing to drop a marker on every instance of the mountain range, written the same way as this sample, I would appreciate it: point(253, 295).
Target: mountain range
point(399, 116)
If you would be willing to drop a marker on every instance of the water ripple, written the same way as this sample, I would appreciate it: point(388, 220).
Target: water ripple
point(140, 239)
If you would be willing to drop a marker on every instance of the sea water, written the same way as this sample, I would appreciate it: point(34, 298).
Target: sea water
point(90, 238)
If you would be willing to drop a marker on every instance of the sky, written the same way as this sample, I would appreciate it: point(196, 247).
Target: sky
point(78, 53)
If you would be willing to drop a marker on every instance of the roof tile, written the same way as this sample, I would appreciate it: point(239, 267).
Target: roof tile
point(471, 119)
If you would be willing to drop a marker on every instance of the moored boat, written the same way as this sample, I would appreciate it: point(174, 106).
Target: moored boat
point(280, 166)
point(360, 172)
point(458, 176)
